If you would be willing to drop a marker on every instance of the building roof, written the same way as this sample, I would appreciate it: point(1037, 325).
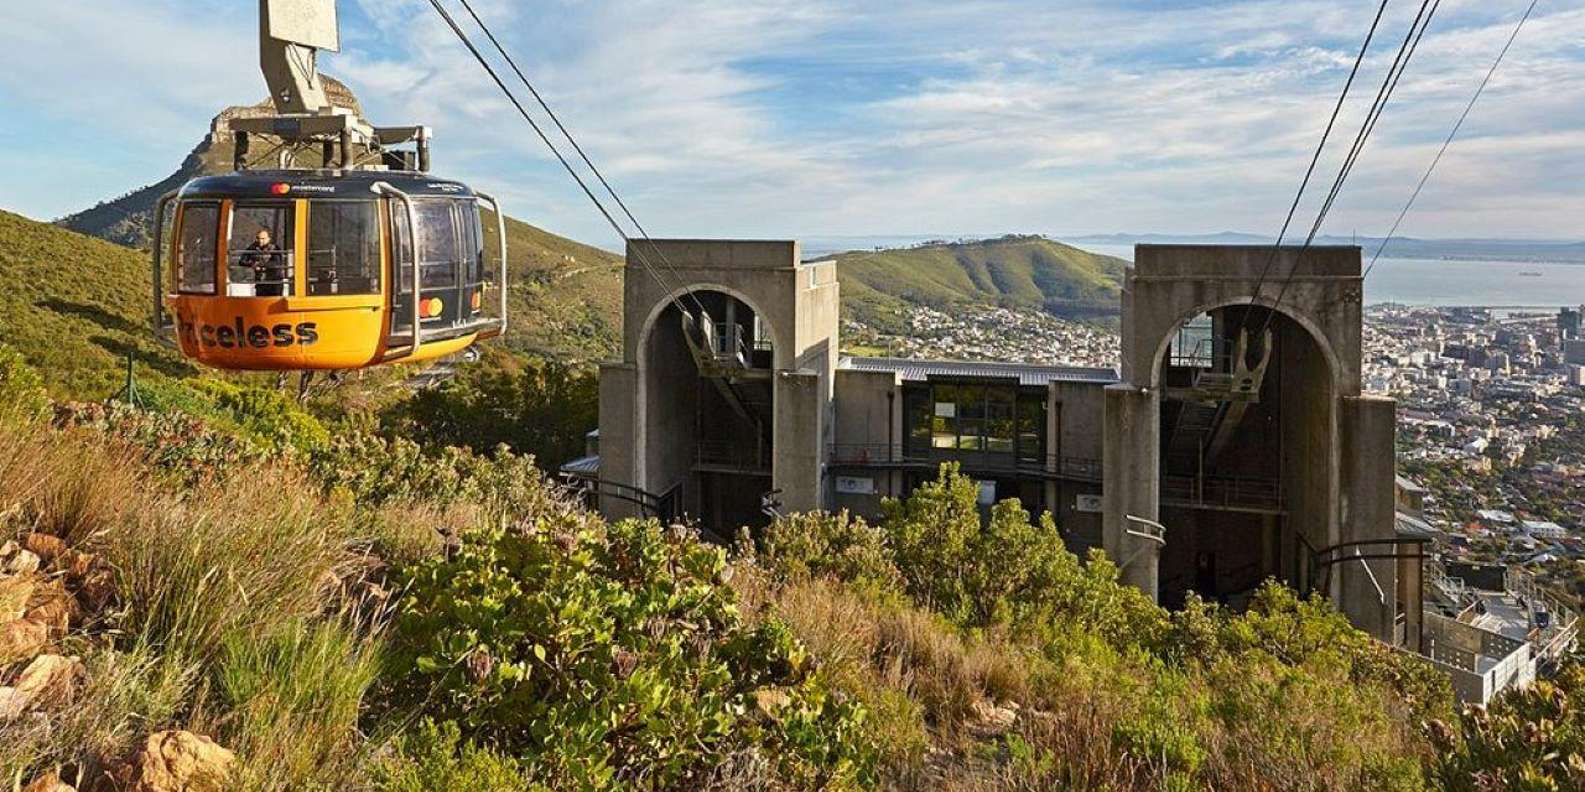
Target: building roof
point(1025, 373)
point(1412, 526)
point(583, 467)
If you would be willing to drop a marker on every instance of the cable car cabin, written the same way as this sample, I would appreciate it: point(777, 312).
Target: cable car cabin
point(315, 270)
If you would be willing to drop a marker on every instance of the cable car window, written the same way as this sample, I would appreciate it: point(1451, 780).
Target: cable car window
point(196, 251)
point(472, 251)
point(259, 250)
point(343, 247)
point(441, 254)
point(404, 248)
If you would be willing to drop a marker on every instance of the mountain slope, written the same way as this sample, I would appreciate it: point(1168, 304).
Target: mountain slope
point(75, 306)
point(1028, 272)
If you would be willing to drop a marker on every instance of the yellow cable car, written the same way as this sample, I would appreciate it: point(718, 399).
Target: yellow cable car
point(369, 260)
point(297, 270)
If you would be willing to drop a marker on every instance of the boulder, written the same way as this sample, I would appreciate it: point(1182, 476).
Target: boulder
point(16, 591)
point(180, 761)
point(23, 562)
point(21, 639)
point(53, 606)
point(46, 547)
point(989, 720)
point(49, 782)
point(50, 681)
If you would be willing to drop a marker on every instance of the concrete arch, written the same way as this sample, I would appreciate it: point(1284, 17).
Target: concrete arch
point(781, 350)
point(1334, 364)
point(643, 354)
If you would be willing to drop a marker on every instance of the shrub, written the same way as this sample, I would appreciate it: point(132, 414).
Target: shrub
point(817, 544)
point(1531, 739)
point(292, 697)
point(22, 392)
point(543, 410)
point(614, 655)
point(434, 756)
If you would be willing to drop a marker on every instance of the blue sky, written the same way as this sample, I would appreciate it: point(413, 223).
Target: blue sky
point(785, 119)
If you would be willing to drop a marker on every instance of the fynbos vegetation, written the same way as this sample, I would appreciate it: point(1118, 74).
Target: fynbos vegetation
point(225, 592)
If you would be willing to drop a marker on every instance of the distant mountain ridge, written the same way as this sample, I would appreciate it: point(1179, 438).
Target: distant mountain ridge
point(1537, 250)
point(1014, 271)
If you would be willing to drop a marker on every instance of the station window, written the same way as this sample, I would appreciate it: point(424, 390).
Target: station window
point(195, 253)
point(343, 247)
point(259, 251)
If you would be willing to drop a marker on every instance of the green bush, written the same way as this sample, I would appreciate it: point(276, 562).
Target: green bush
point(293, 697)
point(22, 391)
point(543, 410)
point(615, 655)
point(435, 756)
point(1528, 739)
point(817, 544)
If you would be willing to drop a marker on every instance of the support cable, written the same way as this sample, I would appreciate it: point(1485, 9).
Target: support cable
point(490, 70)
point(1315, 158)
point(1450, 136)
point(1406, 50)
point(576, 147)
point(1389, 85)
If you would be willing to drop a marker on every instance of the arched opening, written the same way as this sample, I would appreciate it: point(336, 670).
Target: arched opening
point(707, 399)
point(1248, 449)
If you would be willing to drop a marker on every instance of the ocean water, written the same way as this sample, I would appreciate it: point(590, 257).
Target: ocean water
point(1457, 282)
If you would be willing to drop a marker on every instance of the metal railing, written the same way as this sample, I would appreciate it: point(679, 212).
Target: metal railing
point(898, 455)
point(753, 456)
point(1150, 532)
point(1223, 491)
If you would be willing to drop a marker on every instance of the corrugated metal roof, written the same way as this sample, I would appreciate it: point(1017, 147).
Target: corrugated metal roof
point(588, 466)
point(1025, 373)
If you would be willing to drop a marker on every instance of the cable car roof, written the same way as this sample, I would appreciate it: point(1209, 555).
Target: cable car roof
point(320, 184)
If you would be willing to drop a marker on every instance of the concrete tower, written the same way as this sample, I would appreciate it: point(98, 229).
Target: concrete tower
point(723, 394)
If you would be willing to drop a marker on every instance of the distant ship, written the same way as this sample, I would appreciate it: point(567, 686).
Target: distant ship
point(1530, 274)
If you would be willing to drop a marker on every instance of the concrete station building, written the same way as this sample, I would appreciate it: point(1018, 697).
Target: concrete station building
point(1234, 444)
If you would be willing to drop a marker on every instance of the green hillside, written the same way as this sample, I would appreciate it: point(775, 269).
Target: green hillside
point(75, 306)
point(1028, 272)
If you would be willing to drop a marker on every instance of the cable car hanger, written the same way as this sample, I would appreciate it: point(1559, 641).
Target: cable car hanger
point(365, 260)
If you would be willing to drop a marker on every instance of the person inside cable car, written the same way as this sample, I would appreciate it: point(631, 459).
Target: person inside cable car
point(269, 268)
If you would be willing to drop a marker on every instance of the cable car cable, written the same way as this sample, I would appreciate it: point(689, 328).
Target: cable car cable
point(1389, 85)
point(1450, 136)
point(1320, 147)
point(510, 61)
point(490, 70)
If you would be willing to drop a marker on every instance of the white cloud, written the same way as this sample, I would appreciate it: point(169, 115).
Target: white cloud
point(780, 117)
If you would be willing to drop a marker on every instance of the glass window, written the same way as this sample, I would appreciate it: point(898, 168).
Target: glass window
point(971, 434)
point(999, 425)
point(343, 247)
point(472, 245)
point(944, 422)
point(259, 249)
point(440, 254)
point(917, 419)
point(195, 253)
point(1031, 427)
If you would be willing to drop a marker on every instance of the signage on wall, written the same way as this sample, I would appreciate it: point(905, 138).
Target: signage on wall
point(855, 485)
point(1088, 503)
